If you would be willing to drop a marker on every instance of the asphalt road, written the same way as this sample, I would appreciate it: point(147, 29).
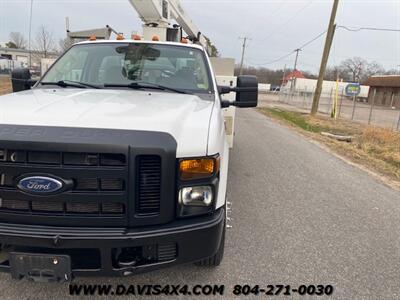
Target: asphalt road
point(300, 216)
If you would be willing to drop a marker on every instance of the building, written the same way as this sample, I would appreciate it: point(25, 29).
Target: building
point(264, 88)
point(308, 86)
point(20, 57)
point(296, 74)
point(386, 90)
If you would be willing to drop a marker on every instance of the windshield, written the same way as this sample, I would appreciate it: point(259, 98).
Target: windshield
point(176, 67)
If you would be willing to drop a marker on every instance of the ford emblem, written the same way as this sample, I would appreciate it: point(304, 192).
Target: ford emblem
point(40, 185)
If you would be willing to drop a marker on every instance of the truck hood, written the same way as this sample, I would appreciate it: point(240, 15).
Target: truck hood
point(185, 117)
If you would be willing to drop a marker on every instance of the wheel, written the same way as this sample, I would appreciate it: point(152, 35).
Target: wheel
point(214, 261)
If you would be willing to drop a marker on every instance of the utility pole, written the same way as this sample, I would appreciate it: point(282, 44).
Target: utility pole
point(293, 83)
point(297, 57)
point(284, 75)
point(325, 56)
point(245, 39)
point(30, 33)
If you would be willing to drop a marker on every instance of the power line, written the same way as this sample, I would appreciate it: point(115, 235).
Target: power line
point(276, 60)
point(299, 48)
point(368, 28)
point(274, 31)
point(323, 33)
point(282, 3)
point(313, 40)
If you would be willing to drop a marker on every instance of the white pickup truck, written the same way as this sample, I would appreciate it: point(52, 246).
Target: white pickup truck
point(115, 162)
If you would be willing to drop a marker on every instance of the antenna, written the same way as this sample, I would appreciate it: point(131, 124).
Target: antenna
point(67, 24)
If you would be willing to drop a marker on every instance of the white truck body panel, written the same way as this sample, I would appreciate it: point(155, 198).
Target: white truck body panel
point(185, 117)
point(224, 69)
point(230, 112)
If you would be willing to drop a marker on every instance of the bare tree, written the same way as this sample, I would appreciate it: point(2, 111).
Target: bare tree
point(64, 44)
point(355, 67)
point(335, 72)
point(392, 72)
point(374, 68)
point(358, 69)
point(18, 40)
point(44, 41)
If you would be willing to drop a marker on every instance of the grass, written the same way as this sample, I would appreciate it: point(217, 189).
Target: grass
point(378, 149)
point(296, 119)
point(382, 144)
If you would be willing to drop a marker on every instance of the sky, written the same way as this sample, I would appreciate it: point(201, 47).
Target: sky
point(275, 27)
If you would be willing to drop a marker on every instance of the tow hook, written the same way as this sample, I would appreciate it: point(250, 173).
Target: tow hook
point(56, 240)
point(127, 258)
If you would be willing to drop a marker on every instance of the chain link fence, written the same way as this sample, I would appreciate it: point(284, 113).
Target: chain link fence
point(352, 108)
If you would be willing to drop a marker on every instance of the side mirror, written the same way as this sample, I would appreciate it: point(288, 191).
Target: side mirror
point(246, 92)
point(21, 80)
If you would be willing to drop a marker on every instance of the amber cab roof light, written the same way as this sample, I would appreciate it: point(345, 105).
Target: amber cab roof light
point(136, 37)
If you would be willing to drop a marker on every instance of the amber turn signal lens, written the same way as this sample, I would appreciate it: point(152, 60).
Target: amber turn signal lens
point(198, 168)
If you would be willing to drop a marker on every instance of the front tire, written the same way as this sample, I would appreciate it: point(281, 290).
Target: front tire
point(214, 261)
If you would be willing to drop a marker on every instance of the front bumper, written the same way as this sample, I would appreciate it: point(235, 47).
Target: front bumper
point(194, 239)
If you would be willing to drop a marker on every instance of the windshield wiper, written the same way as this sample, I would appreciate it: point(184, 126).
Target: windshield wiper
point(77, 84)
point(147, 85)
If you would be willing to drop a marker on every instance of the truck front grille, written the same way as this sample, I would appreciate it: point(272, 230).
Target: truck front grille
point(99, 184)
point(64, 158)
point(167, 252)
point(61, 208)
point(80, 184)
point(149, 185)
point(98, 189)
point(113, 178)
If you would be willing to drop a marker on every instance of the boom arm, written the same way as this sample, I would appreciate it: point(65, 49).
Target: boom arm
point(158, 13)
point(152, 11)
point(186, 23)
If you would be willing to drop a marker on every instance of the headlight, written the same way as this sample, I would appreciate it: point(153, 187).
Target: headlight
point(198, 168)
point(196, 200)
point(196, 196)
